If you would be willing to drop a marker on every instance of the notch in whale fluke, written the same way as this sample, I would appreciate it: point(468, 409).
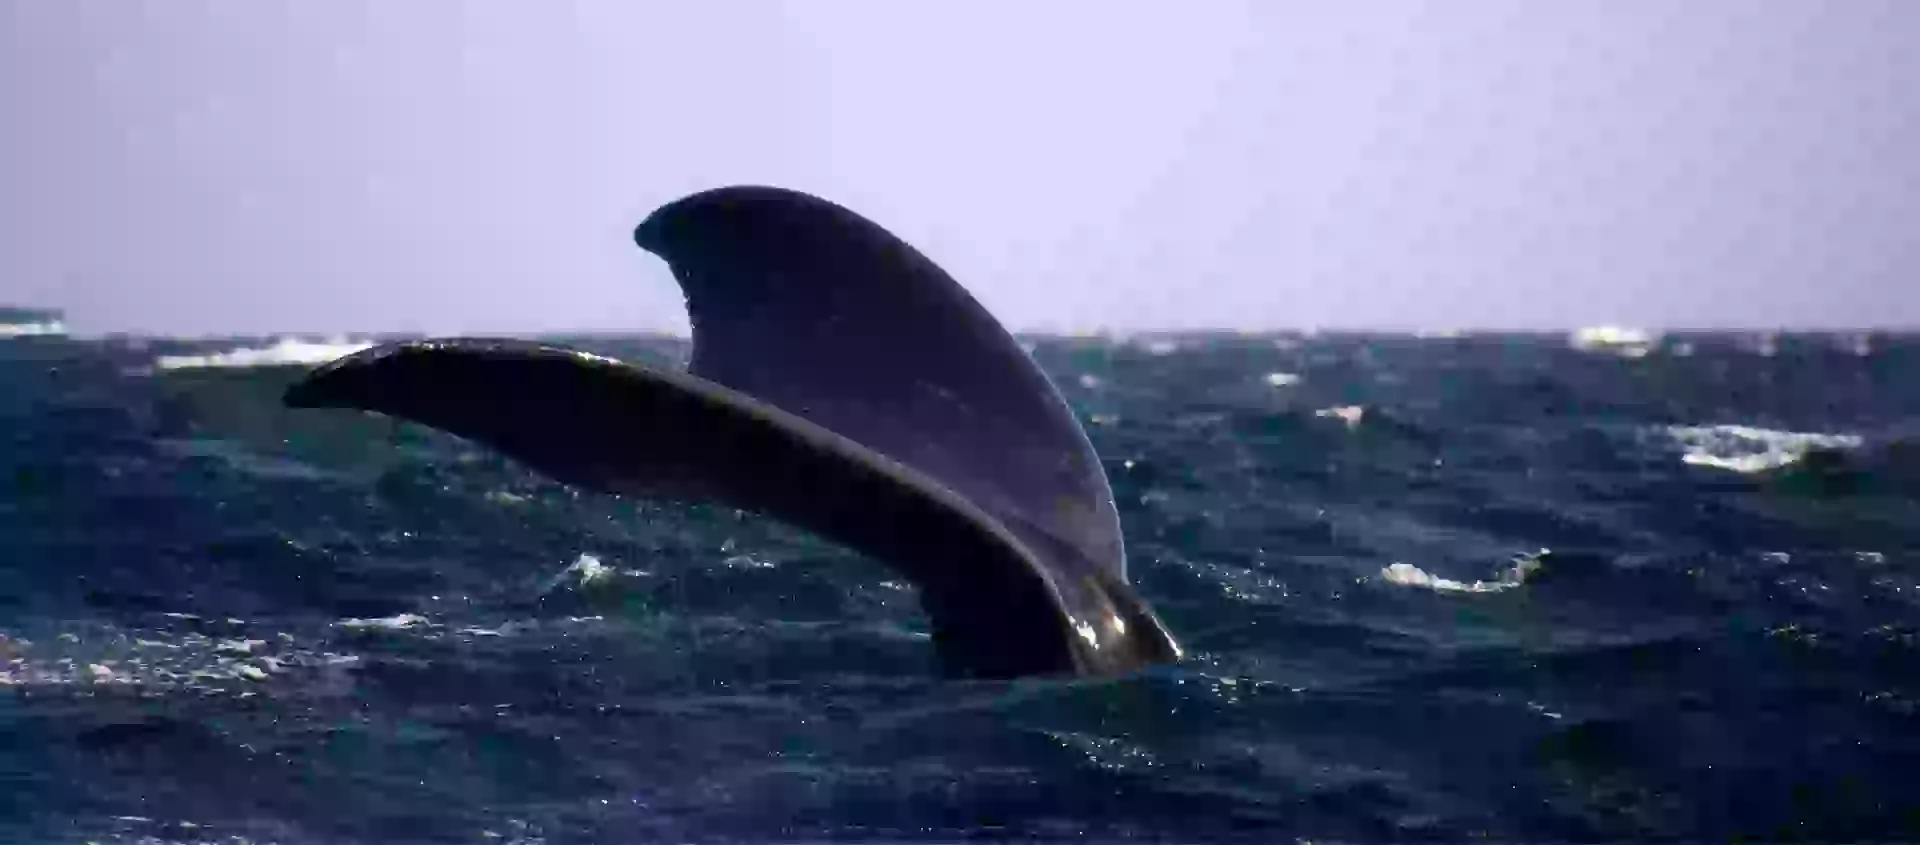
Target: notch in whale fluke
point(842, 382)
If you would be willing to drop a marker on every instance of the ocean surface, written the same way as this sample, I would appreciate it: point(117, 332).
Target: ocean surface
point(1500, 587)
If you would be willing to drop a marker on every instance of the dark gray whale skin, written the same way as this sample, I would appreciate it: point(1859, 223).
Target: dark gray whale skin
point(841, 382)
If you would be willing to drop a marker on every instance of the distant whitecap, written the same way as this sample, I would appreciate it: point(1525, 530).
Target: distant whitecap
point(47, 328)
point(284, 352)
point(1349, 414)
point(1748, 449)
point(1616, 340)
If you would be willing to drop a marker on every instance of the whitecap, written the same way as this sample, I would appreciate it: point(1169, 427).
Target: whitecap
point(1748, 449)
point(148, 659)
point(287, 351)
point(400, 622)
point(1349, 414)
point(42, 328)
point(1617, 340)
point(587, 571)
point(1510, 577)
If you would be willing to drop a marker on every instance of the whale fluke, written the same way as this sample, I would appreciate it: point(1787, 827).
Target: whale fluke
point(842, 382)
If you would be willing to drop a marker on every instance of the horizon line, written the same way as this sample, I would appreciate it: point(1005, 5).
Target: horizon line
point(1601, 332)
point(72, 328)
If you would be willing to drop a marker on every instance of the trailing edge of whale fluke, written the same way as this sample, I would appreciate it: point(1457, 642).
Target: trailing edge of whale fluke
point(841, 382)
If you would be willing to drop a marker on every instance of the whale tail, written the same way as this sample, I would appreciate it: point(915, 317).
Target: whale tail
point(840, 381)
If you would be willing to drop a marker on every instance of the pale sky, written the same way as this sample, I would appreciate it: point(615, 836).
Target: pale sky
point(189, 166)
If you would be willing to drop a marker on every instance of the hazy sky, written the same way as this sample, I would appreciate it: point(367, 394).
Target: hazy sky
point(253, 166)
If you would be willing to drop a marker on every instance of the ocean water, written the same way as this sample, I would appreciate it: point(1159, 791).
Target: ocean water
point(1507, 588)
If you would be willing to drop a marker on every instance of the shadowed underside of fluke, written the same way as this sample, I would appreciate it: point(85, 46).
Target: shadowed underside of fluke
point(841, 382)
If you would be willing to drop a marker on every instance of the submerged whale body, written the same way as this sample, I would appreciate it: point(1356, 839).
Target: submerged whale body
point(841, 382)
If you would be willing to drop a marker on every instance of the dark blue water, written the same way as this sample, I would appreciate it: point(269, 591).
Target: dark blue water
point(224, 622)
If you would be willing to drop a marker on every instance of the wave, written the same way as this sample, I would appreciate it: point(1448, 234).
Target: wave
point(107, 656)
point(286, 351)
point(1349, 414)
point(1618, 340)
point(16, 321)
point(1748, 449)
point(40, 328)
point(1510, 577)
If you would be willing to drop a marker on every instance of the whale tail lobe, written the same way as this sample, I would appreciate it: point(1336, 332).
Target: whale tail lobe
point(840, 381)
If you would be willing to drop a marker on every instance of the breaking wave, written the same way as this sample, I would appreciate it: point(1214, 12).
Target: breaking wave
point(1509, 577)
point(1618, 340)
point(1748, 449)
point(45, 328)
point(286, 351)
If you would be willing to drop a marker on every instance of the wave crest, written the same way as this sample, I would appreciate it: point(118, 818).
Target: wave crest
point(1748, 449)
point(287, 351)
